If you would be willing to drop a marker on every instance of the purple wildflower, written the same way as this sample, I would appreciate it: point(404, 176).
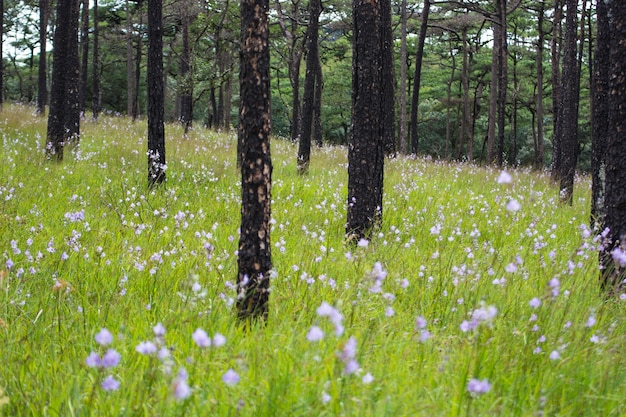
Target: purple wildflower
point(478, 387)
point(201, 338)
point(110, 384)
point(111, 359)
point(230, 377)
point(146, 348)
point(315, 334)
point(104, 337)
point(93, 360)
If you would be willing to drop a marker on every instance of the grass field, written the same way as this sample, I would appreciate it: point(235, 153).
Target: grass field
point(477, 297)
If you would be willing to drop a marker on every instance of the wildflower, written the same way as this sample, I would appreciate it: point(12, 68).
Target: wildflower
point(420, 322)
point(555, 355)
point(315, 334)
point(104, 337)
point(424, 335)
point(389, 312)
point(180, 388)
point(594, 339)
point(352, 366)
point(362, 243)
point(513, 205)
point(159, 330)
point(555, 284)
point(478, 387)
point(146, 348)
point(326, 398)
point(110, 384)
point(201, 338)
point(111, 359)
point(511, 268)
point(535, 302)
point(504, 178)
point(367, 378)
point(219, 340)
point(230, 377)
point(93, 360)
point(591, 321)
point(349, 350)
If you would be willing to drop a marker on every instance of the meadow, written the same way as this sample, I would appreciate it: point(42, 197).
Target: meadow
point(478, 296)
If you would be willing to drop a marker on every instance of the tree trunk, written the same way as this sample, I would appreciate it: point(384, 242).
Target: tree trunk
point(317, 105)
point(556, 89)
point(185, 78)
point(254, 255)
point(541, 34)
point(72, 83)
point(130, 74)
point(138, 54)
point(42, 83)
point(388, 115)
point(419, 55)
point(312, 58)
point(569, 104)
point(466, 122)
point(502, 79)
point(600, 115)
point(1, 53)
point(84, 67)
point(55, 137)
point(615, 197)
point(96, 62)
point(402, 137)
point(493, 96)
point(366, 147)
point(156, 129)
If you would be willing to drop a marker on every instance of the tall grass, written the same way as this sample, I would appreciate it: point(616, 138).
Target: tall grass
point(475, 298)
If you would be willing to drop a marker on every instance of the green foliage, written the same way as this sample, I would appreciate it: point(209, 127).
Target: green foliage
point(448, 250)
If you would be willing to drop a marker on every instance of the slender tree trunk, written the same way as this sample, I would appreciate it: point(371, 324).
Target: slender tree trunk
point(466, 121)
point(138, 54)
point(1, 53)
point(72, 84)
point(228, 93)
point(600, 115)
point(493, 95)
point(317, 105)
point(186, 84)
point(402, 136)
point(388, 116)
point(312, 58)
point(84, 67)
point(366, 151)
point(539, 149)
point(419, 55)
point(130, 74)
point(615, 196)
point(569, 104)
point(503, 54)
point(96, 62)
point(254, 255)
point(556, 89)
point(156, 129)
point(55, 138)
point(42, 82)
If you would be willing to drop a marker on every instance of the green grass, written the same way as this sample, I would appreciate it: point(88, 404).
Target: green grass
point(144, 257)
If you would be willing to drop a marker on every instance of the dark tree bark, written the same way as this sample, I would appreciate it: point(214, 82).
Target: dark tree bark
point(402, 136)
point(502, 79)
point(185, 75)
point(540, 40)
point(42, 82)
point(312, 59)
point(84, 66)
point(493, 95)
point(419, 55)
point(388, 115)
point(569, 104)
point(600, 114)
point(254, 255)
point(317, 105)
point(556, 89)
point(366, 150)
point(1, 53)
point(130, 74)
point(55, 137)
point(96, 62)
point(138, 54)
point(615, 220)
point(156, 129)
point(72, 83)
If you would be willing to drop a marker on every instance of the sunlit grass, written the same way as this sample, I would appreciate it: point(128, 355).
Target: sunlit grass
point(86, 246)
